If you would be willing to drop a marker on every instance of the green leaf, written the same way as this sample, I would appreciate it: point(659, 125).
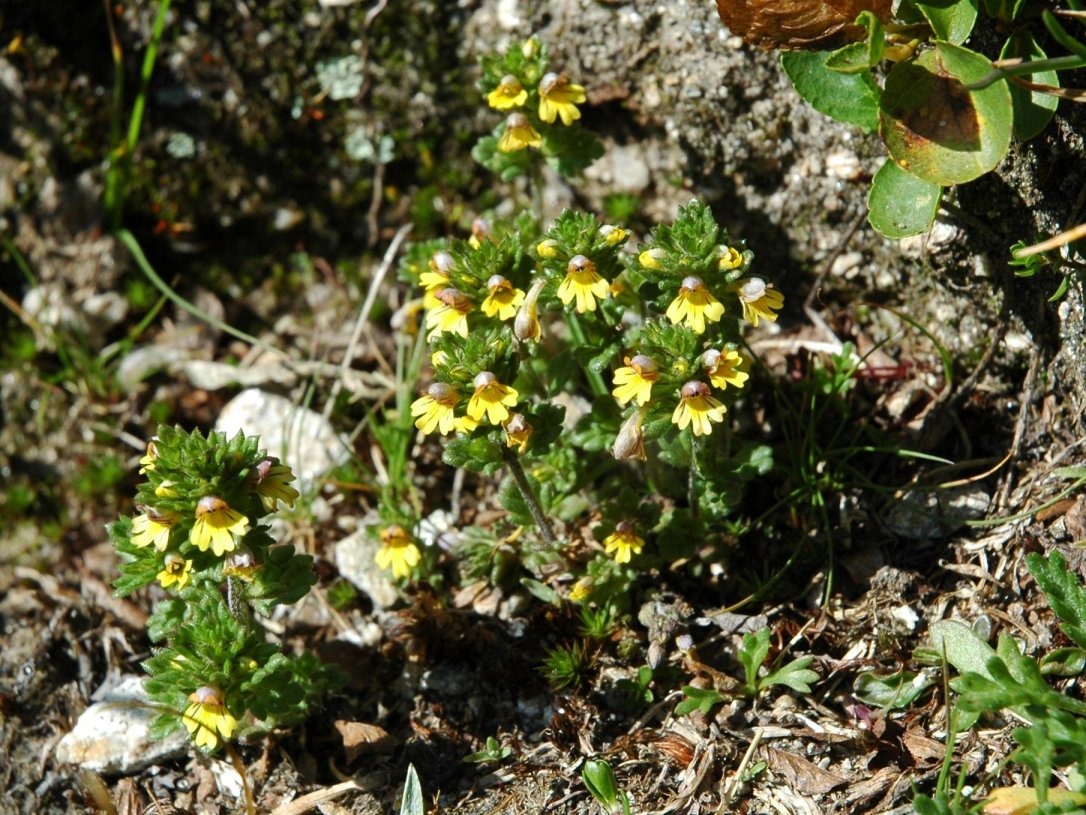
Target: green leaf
point(1064, 662)
point(1065, 593)
point(479, 455)
point(697, 699)
point(1033, 110)
point(751, 655)
point(412, 803)
point(599, 778)
point(796, 675)
point(849, 98)
point(964, 648)
point(934, 127)
point(900, 204)
point(896, 691)
point(951, 20)
point(857, 57)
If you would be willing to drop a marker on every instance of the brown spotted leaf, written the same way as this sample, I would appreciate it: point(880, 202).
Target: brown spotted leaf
point(785, 24)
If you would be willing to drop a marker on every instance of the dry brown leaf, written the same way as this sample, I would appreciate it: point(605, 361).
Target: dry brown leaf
point(922, 749)
point(798, 23)
point(361, 739)
point(801, 774)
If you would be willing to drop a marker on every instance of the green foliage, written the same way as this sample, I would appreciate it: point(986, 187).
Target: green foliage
point(700, 699)
point(945, 114)
point(638, 691)
point(495, 751)
point(198, 533)
point(600, 781)
point(1066, 595)
point(796, 674)
point(598, 623)
point(566, 665)
point(412, 802)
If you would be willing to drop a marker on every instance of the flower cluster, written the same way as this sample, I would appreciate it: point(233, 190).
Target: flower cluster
point(541, 109)
point(198, 531)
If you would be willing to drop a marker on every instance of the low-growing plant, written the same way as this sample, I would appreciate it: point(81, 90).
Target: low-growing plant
point(946, 113)
point(600, 781)
point(495, 751)
point(1006, 679)
point(198, 535)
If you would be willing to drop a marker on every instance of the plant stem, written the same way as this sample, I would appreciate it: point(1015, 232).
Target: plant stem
point(536, 184)
point(520, 478)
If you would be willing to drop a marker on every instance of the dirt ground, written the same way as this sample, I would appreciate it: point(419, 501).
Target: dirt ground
point(251, 201)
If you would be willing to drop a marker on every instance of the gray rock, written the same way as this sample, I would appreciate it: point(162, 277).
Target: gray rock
point(298, 436)
point(212, 376)
point(922, 515)
point(113, 735)
point(354, 559)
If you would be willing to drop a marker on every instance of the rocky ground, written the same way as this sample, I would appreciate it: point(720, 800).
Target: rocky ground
point(285, 146)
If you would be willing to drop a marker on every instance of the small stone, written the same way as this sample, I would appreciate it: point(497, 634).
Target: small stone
point(142, 362)
point(113, 735)
point(298, 436)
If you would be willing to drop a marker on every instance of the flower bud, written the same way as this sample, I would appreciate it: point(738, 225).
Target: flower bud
point(630, 442)
point(526, 325)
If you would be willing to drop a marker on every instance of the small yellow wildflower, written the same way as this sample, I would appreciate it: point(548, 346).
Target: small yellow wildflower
point(517, 432)
point(450, 315)
point(519, 134)
point(435, 409)
point(1023, 800)
point(547, 249)
point(558, 98)
point(624, 543)
point(650, 259)
point(147, 461)
point(509, 94)
point(503, 300)
point(630, 441)
point(398, 552)
point(697, 408)
point(581, 590)
point(694, 305)
point(613, 234)
point(153, 527)
point(491, 398)
point(730, 258)
point(164, 490)
point(724, 368)
point(759, 300)
point(480, 231)
point(207, 719)
point(433, 281)
point(217, 525)
point(526, 325)
point(439, 358)
point(273, 484)
point(175, 573)
point(634, 381)
point(583, 282)
point(241, 564)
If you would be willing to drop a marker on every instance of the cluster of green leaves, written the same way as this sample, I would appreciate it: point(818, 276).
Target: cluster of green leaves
point(994, 680)
point(567, 148)
point(600, 781)
point(945, 114)
point(222, 488)
point(796, 674)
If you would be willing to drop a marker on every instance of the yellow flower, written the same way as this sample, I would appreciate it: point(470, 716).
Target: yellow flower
point(697, 408)
point(613, 234)
point(724, 368)
point(519, 134)
point(450, 315)
point(176, 572)
point(491, 398)
point(217, 525)
point(1023, 800)
point(694, 305)
point(581, 590)
point(650, 258)
point(517, 432)
point(635, 380)
point(207, 719)
point(583, 282)
point(435, 409)
point(153, 527)
point(759, 301)
point(526, 325)
point(433, 281)
point(558, 97)
point(547, 249)
point(439, 358)
point(241, 563)
point(730, 258)
point(630, 441)
point(480, 231)
point(273, 484)
point(397, 552)
point(623, 542)
point(147, 461)
point(509, 94)
point(503, 300)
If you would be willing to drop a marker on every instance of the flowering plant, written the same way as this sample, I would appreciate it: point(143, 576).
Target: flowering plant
point(197, 534)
